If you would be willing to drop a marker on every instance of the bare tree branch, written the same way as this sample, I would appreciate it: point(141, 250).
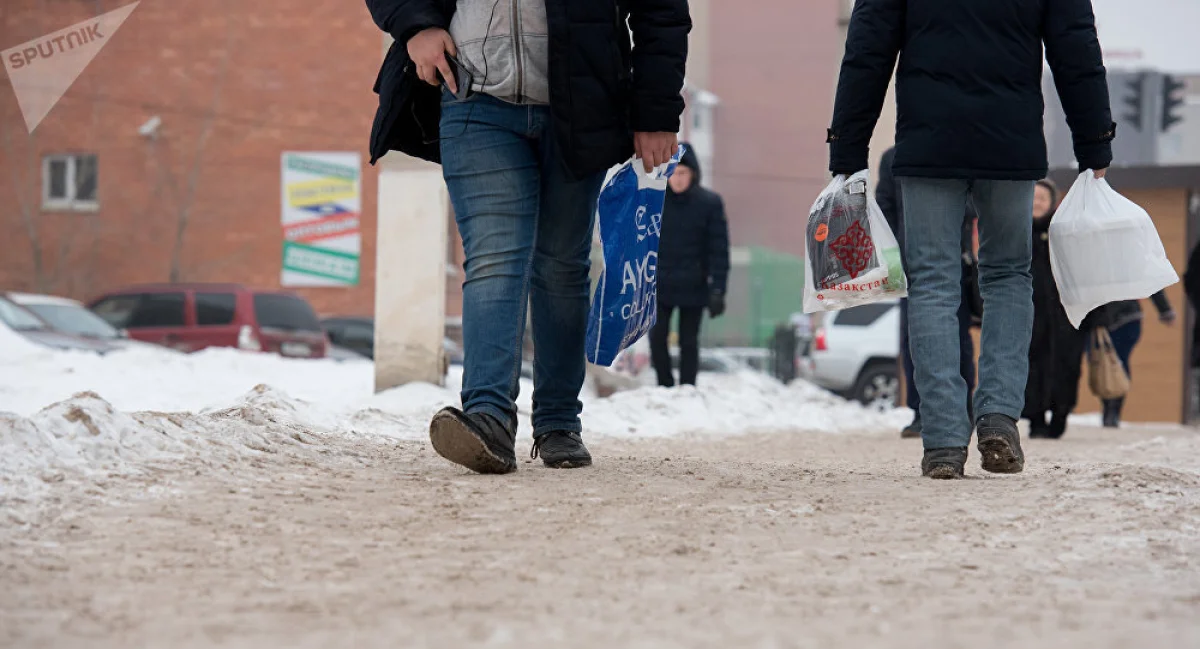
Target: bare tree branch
point(28, 209)
point(193, 177)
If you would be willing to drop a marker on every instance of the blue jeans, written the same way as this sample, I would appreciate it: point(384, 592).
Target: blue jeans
point(526, 226)
point(933, 245)
point(966, 346)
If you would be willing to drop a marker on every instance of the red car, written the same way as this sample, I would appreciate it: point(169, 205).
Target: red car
point(191, 317)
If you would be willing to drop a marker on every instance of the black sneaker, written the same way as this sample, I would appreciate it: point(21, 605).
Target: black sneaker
point(1000, 444)
point(913, 430)
point(944, 463)
point(561, 450)
point(477, 441)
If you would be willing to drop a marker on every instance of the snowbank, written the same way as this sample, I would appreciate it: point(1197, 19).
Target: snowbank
point(69, 415)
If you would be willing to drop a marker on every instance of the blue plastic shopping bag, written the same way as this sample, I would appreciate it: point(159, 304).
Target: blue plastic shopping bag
point(625, 304)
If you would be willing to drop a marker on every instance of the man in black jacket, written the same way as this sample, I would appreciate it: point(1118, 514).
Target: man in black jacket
point(969, 99)
point(558, 94)
point(891, 202)
point(693, 269)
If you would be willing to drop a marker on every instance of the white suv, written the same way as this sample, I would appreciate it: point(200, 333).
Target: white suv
point(856, 354)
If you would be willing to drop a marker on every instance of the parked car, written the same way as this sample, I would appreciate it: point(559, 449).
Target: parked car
point(339, 353)
point(71, 317)
point(856, 354)
point(28, 325)
point(191, 317)
point(357, 333)
point(354, 333)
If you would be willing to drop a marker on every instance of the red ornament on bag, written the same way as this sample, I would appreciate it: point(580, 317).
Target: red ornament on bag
point(854, 249)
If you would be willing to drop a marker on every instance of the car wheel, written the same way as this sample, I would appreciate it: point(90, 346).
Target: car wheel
point(878, 386)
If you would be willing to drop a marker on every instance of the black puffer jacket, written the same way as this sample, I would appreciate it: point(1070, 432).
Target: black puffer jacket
point(969, 86)
point(602, 87)
point(693, 253)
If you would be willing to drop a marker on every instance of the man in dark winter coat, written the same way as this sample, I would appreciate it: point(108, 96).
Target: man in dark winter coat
point(969, 100)
point(693, 268)
point(558, 95)
point(891, 202)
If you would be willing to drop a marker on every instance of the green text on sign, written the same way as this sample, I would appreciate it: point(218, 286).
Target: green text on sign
point(329, 264)
point(321, 168)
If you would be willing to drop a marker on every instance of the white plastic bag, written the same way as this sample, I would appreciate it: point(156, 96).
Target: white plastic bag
point(852, 257)
point(1104, 248)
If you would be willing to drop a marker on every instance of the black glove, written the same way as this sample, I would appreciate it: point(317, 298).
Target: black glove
point(716, 304)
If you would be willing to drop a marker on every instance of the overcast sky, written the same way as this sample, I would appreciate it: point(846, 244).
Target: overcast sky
point(1157, 34)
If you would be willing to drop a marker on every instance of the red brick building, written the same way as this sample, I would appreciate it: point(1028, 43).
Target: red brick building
point(234, 84)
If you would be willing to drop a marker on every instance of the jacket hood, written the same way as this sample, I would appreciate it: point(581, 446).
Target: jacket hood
point(691, 161)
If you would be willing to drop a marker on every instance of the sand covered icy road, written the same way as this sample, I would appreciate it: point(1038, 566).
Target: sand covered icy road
point(777, 540)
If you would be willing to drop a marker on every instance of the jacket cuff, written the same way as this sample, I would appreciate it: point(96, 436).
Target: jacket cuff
point(846, 157)
point(655, 115)
point(1096, 153)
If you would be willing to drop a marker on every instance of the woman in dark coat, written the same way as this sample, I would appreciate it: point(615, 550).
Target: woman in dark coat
point(1056, 348)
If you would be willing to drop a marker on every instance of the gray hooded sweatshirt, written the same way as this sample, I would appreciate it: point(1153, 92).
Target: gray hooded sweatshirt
point(505, 45)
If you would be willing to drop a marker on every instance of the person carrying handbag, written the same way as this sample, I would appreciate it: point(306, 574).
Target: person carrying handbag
point(1123, 320)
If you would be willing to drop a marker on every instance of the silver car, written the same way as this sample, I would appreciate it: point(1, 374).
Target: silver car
point(29, 326)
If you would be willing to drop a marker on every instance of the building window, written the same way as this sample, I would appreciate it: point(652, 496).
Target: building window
point(69, 182)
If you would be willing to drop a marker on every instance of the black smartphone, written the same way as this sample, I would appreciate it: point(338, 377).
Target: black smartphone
point(462, 78)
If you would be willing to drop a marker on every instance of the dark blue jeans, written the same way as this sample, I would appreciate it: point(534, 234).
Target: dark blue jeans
point(527, 228)
point(1124, 339)
point(933, 218)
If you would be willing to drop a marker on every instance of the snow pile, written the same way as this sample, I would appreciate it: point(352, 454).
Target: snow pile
point(730, 404)
point(69, 416)
point(153, 378)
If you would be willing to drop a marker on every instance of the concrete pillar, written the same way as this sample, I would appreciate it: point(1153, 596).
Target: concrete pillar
point(410, 275)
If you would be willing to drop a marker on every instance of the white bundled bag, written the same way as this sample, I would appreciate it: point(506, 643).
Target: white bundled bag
point(1104, 248)
point(852, 257)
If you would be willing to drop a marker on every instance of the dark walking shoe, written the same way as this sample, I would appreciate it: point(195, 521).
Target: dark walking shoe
point(561, 450)
point(913, 430)
point(1000, 444)
point(477, 441)
point(1058, 427)
point(944, 463)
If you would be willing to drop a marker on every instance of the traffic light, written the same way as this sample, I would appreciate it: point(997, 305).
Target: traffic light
point(1135, 101)
point(1172, 99)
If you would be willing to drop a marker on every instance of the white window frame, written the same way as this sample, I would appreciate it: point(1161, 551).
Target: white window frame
point(70, 203)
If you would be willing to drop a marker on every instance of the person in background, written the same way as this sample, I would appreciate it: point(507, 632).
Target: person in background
point(891, 202)
point(1056, 350)
point(693, 269)
point(969, 96)
point(1191, 286)
point(562, 90)
point(1124, 323)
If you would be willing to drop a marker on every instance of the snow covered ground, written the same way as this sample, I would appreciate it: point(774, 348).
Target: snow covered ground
point(67, 416)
